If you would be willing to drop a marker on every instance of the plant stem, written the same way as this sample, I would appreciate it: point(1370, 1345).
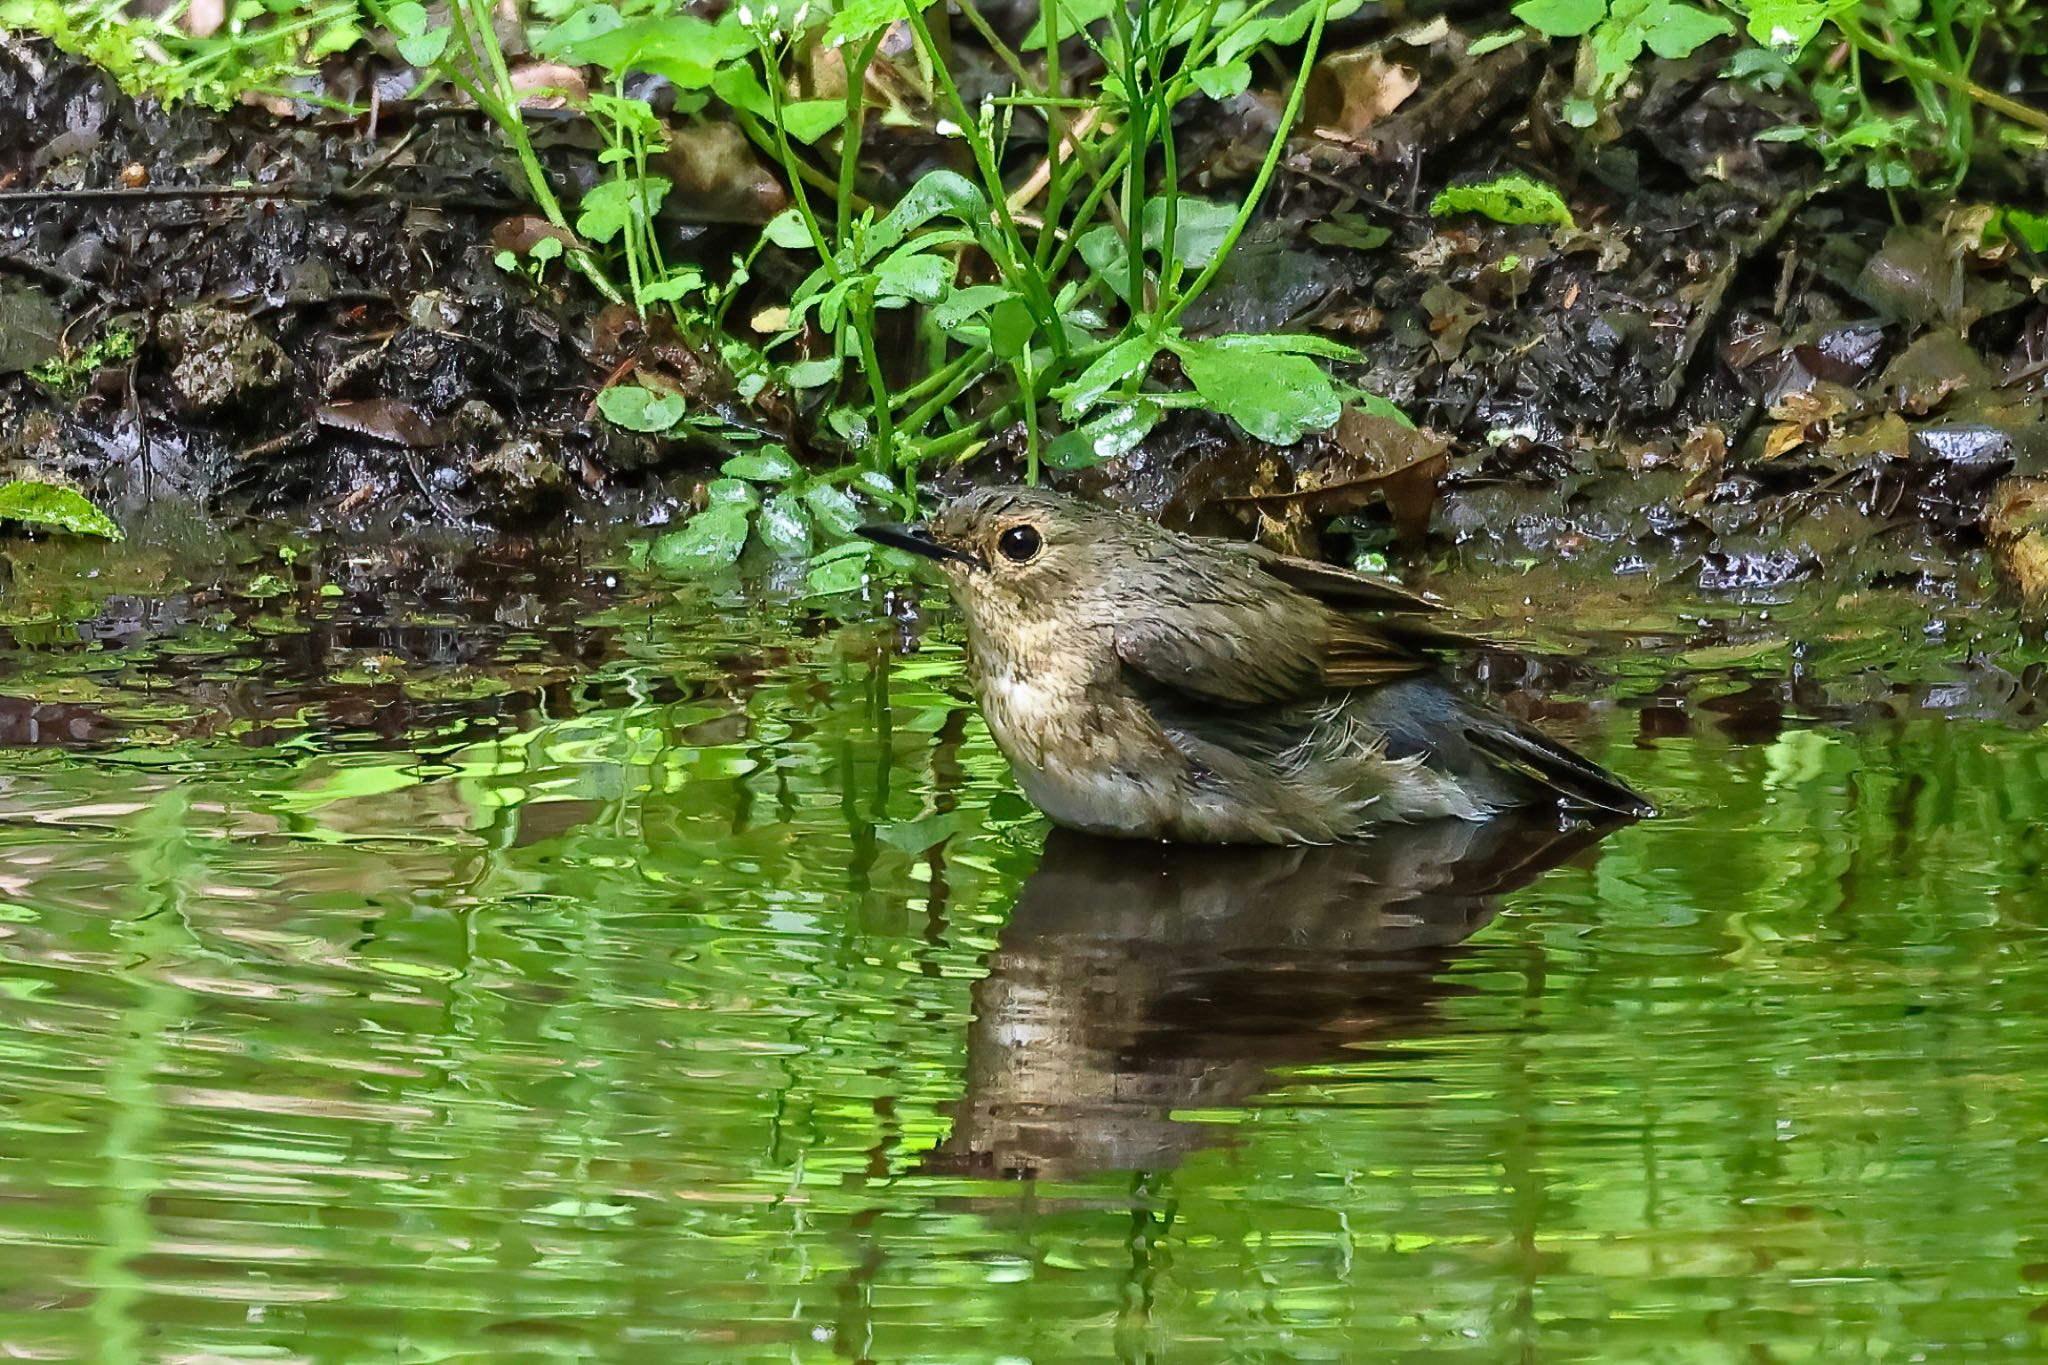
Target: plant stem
point(856, 118)
point(1164, 319)
point(1008, 242)
point(1959, 81)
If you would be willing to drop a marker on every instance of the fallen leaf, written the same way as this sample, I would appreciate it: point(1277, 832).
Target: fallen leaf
point(1351, 91)
point(383, 419)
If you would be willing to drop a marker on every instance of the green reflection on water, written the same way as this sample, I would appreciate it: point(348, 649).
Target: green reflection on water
point(715, 1009)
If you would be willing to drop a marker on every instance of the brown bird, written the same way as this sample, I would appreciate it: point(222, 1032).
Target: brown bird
point(1154, 685)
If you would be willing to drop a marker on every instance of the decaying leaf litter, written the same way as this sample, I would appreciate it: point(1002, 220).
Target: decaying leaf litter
point(1723, 364)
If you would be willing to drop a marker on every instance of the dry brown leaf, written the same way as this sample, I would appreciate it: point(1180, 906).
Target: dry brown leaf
point(1784, 438)
point(1351, 91)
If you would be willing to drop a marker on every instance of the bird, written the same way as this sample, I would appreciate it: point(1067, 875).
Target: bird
point(1147, 684)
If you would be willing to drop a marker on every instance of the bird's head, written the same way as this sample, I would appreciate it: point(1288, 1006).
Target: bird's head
point(1019, 560)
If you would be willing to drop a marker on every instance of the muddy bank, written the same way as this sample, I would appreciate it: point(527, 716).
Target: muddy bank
point(1731, 373)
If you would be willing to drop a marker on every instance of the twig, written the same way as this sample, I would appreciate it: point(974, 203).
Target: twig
point(1708, 314)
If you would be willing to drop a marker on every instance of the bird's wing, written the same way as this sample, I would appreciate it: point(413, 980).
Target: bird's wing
point(1340, 587)
point(1226, 654)
point(1234, 635)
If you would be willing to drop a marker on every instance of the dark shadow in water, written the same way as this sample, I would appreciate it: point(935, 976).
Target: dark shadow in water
point(1135, 980)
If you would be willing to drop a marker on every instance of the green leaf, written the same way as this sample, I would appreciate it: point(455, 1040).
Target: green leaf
point(688, 51)
point(424, 49)
point(1199, 227)
point(1495, 41)
point(1675, 30)
point(670, 288)
point(843, 568)
point(857, 20)
point(966, 301)
point(731, 492)
point(1561, 18)
point(1350, 230)
point(1615, 47)
point(2029, 228)
point(1224, 82)
point(1114, 434)
point(769, 464)
point(935, 193)
point(811, 374)
point(1289, 343)
point(786, 230)
point(1108, 259)
point(912, 275)
point(638, 409)
point(610, 206)
point(1072, 15)
point(32, 502)
point(833, 511)
point(785, 527)
point(1786, 25)
point(1010, 330)
point(1114, 367)
point(1274, 395)
point(1505, 199)
point(584, 24)
point(808, 120)
point(709, 541)
point(418, 44)
point(738, 86)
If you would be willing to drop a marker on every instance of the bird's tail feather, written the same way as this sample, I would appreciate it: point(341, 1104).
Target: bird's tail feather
point(1536, 757)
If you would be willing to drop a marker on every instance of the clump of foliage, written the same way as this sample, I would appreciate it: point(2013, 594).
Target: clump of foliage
point(1505, 199)
point(1059, 295)
point(69, 373)
point(264, 44)
point(1852, 58)
point(1850, 55)
point(1038, 285)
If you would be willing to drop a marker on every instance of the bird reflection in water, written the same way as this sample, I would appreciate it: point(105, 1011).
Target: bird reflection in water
point(1133, 981)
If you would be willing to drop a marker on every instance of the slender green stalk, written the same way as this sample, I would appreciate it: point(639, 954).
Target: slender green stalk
point(1007, 243)
point(977, 366)
point(1959, 81)
point(859, 305)
point(1165, 318)
point(856, 119)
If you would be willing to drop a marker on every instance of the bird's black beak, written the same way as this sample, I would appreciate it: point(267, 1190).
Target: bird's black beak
point(918, 541)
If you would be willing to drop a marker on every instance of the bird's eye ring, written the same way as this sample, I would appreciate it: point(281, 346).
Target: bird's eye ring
point(1020, 544)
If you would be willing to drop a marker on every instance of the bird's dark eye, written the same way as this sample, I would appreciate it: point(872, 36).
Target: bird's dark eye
point(1019, 544)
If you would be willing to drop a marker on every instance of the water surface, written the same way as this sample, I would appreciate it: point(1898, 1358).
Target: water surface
point(586, 969)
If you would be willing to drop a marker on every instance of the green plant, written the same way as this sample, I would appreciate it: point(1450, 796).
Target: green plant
point(1019, 308)
point(764, 497)
point(1505, 199)
point(533, 263)
point(262, 44)
point(68, 374)
point(1844, 51)
point(1616, 34)
point(1081, 296)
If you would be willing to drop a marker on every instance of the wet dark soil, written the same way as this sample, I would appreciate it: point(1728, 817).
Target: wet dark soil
point(1732, 374)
